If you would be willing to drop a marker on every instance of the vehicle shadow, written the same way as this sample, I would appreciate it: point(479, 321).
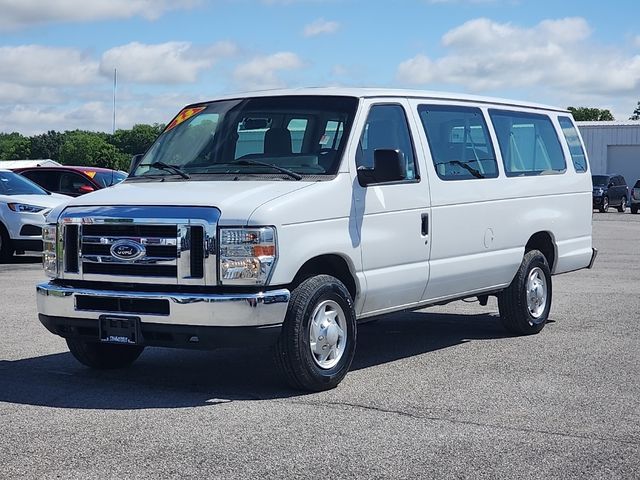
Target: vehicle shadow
point(167, 378)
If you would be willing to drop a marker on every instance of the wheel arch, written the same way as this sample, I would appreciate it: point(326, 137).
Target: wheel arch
point(329, 264)
point(545, 243)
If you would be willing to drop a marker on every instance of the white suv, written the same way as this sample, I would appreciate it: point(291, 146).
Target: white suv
point(23, 205)
point(287, 217)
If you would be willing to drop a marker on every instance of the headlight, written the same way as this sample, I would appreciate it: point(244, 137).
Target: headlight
point(23, 207)
point(49, 253)
point(247, 255)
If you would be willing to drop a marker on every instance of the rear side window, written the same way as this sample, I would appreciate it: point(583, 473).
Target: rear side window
point(459, 141)
point(528, 143)
point(573, 141)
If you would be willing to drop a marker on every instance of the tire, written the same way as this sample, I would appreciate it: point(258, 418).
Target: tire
point(634, 210)
point(525, 304)
point(103, 356)
point(623, 205)
point(6, 251)
point(320, 309)
point(605, 205)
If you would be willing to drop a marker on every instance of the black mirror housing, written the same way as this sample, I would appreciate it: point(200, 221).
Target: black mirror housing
point(135, 160)
point(388, 166)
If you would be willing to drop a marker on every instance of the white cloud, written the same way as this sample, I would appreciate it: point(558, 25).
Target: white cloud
point(46, 66)
point(164, 63)
point(23, 13)
point(321, 27)
point(262, 72)
point(555, 55)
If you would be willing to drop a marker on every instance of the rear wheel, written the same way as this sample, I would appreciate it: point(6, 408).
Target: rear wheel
point(318, 339)
point(525, 304)
point(634, 209)
point(605, 205)
point(103, 356)
point(623, 205)
point(6, 252)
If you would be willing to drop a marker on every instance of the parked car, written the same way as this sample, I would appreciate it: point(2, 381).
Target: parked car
point(635, 197)
point(70, 180)
point(23, 206)
point(610, 190)
point(285, 218)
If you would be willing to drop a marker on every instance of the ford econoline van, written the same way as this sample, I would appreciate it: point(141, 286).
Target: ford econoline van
point(285, 218)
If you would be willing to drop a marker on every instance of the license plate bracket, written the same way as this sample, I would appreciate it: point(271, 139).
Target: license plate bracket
point(119, 329)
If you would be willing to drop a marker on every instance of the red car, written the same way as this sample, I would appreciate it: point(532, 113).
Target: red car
point(71, 180)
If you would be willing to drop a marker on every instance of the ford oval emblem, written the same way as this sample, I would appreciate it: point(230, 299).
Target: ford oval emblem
point(127, 250)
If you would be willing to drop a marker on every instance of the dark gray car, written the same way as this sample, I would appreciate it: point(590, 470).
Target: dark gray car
point(635, 197)
point(610, 190)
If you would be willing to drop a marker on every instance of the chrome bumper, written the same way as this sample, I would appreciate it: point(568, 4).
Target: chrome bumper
point(210, 310)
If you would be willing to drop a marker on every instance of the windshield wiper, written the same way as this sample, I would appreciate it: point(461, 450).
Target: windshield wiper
point(167, 167)
point(286, 171)
point(466, 166)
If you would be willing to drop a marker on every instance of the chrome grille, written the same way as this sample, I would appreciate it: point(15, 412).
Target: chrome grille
point(172, 245)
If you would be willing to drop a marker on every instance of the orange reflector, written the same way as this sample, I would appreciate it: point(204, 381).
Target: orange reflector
point(263, 250)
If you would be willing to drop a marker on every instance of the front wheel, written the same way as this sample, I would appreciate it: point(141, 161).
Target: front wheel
point(6, 252)
point(318, 339)
point(623, 205)
point(525, 304)
point(103, 356)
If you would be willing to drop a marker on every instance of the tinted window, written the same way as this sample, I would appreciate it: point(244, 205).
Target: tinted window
point(386, 129)
point(637, 185)
point(70, 183)
point(528, 143)
point(600, 180)
point(573, 141)
point(14, 184)
point(47, 179)
point(459, 141)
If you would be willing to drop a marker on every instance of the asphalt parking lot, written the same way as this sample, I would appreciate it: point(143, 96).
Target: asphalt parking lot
point(440, 393)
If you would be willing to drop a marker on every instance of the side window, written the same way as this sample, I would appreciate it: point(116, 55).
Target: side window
point(45, 178)
point(573, 141)
point(459, 141)
point(386, 129)
point(71, 183)
point(528, 143)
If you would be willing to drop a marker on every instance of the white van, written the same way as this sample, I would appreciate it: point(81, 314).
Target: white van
point(288, 217)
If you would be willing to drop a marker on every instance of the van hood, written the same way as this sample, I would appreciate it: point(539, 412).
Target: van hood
point(237, 200)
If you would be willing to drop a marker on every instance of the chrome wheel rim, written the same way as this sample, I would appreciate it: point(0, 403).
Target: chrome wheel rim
point(536, 292)
point(327, 334)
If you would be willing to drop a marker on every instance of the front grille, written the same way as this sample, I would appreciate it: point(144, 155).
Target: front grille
point(140, 245)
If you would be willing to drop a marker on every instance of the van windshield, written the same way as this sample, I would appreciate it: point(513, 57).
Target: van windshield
point(302, 135)
point(600, 180)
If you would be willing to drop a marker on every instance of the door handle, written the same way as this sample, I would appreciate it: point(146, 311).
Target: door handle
point(425, 224)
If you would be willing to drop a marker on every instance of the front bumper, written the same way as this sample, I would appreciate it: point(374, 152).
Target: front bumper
point(67, 310)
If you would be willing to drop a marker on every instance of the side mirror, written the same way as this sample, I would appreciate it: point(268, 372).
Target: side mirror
point(86, 189)
point(135, 160)
point(388, 166)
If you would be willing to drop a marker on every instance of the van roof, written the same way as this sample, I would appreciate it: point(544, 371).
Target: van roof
point(362, 92)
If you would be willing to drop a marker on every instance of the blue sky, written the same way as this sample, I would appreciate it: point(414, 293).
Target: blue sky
point(57, 57)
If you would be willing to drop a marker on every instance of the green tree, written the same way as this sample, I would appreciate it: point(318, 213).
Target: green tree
point(14, 146)
point(136, 140)
point(47, 145)
point(588, 114)
point(636, 113)
point(90, 148)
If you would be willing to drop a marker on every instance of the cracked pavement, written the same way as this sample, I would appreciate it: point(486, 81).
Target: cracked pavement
point(439, 393)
